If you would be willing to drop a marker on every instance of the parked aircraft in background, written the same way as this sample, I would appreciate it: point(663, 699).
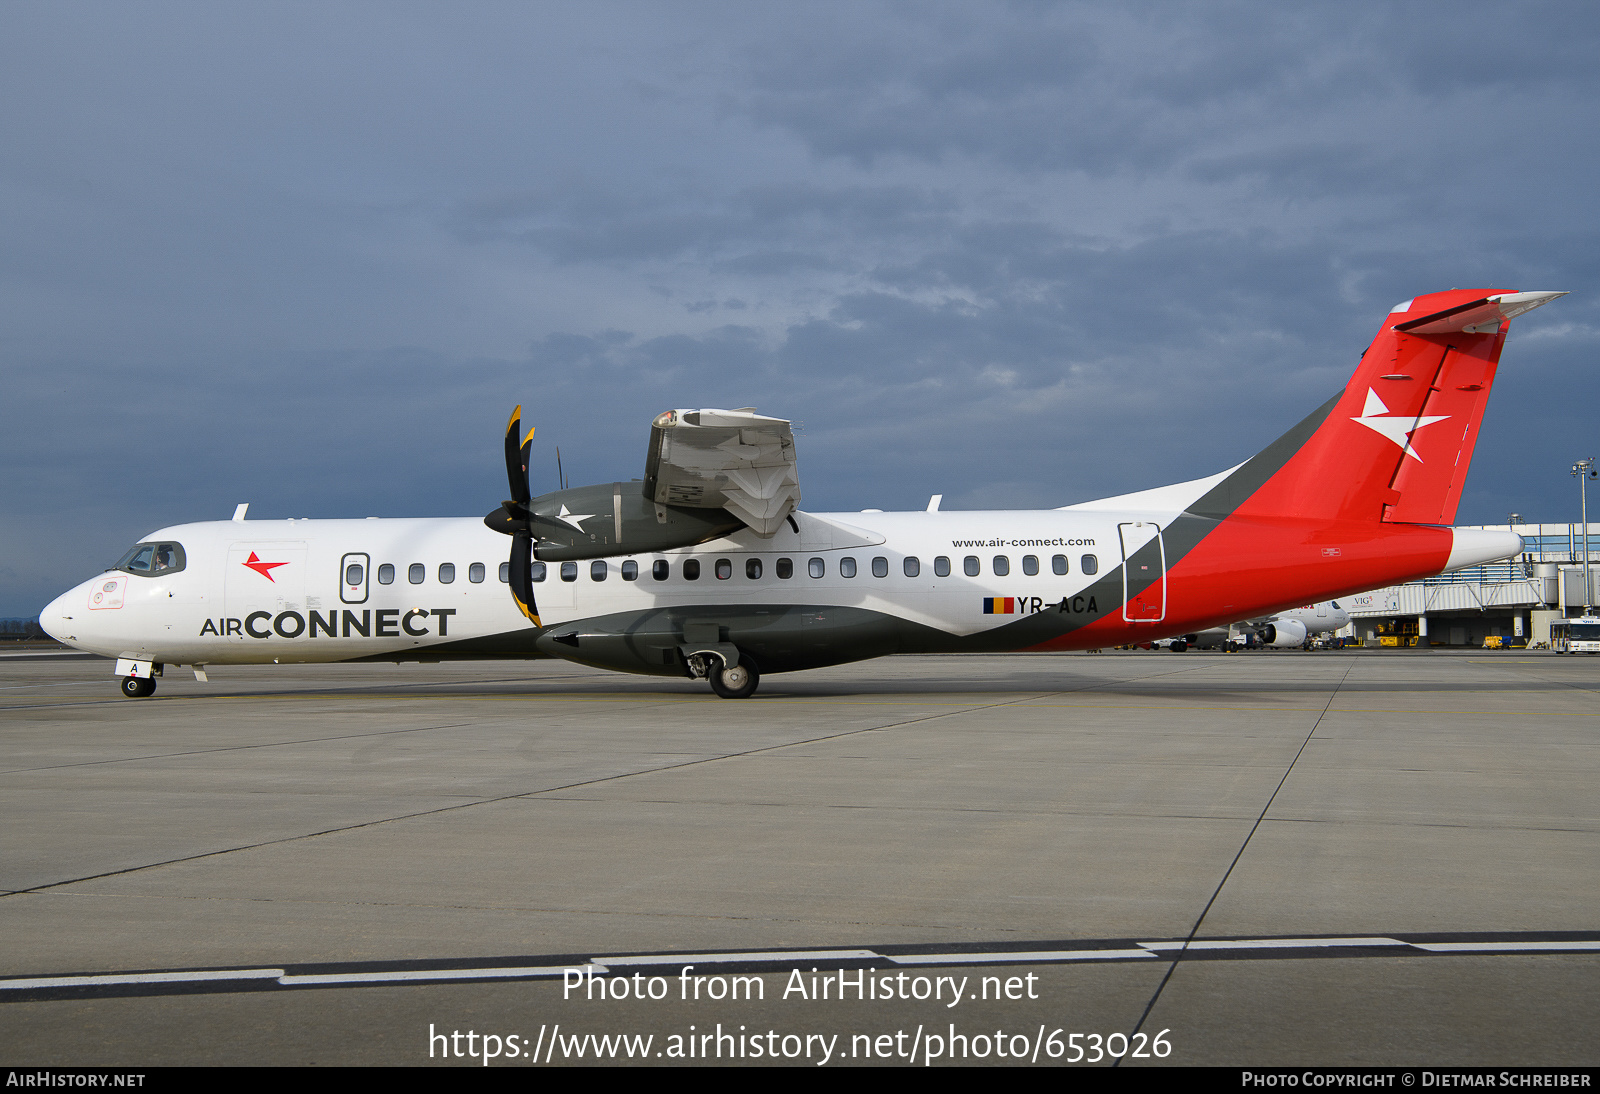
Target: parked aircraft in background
point(707, 568)
point(1285, 630)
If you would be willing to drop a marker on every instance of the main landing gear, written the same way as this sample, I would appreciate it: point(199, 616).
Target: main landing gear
point(137, 687)
point(738, 682)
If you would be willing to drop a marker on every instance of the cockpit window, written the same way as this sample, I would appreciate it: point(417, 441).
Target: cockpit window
point(150, 559)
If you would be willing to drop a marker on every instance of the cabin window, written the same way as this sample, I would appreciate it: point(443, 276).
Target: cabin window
point(816, 567)
point(785, 568)
point(911, 566)
point(354, 573)
point(1002, 565)
point(146, 559)
point(724, 569)
point(1089, 564)
point(597, 570)
point(941, 566)
point(505, 574)
point(1030, 564)
point(1058, 564)
point(847, 567)
point(475, 573)
point(569, 571)
point(630, 570)
point(752, 569)
point(386, 574)
point(970, 566)
point(447, 573)
point(659, 569)
point(880, 567)
point(691, 569)
point(536, 571)
point(416, 572)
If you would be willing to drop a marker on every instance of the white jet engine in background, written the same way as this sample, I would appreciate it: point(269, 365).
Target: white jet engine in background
point(1283, 634)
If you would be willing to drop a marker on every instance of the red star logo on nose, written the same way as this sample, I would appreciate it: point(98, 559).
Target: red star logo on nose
point(262, 568)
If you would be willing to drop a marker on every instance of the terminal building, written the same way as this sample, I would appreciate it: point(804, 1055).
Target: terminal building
point(1514, 601)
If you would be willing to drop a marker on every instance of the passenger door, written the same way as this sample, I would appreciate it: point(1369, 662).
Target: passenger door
point(357, 565)
point(1144, 572)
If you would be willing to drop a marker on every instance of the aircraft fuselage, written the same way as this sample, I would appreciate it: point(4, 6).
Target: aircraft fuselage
point(831, 588)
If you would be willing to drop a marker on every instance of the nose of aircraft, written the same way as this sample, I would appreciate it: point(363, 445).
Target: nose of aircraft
point(53, 619)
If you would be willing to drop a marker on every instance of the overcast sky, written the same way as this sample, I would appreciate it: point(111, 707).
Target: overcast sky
point(310, 255)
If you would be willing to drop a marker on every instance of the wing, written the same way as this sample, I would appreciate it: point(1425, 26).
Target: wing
point(736, 460)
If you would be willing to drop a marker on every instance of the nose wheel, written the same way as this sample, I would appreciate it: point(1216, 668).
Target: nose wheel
point(738, 682)
point(136, 687)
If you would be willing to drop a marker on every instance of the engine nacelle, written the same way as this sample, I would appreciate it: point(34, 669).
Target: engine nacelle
point(1285, 634)
point(612, 519)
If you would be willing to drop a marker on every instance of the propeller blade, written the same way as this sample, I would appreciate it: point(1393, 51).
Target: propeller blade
point(522, 576)
point(517, 458)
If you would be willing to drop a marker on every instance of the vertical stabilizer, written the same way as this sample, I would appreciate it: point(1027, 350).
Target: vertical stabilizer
point(1395, 446)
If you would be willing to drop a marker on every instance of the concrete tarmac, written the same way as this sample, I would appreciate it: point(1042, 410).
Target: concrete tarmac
point(1110, 845)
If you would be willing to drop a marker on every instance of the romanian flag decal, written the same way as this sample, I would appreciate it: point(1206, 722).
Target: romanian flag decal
point(999, 605)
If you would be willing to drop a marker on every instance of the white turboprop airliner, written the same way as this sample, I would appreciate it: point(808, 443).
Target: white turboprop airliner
point(706, 567)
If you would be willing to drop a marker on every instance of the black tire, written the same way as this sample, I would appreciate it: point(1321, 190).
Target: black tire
point(136, 688)
point(738, 682)
point(1179, 646)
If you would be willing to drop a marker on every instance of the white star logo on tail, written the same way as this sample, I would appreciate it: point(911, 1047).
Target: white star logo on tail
point(1397, 428)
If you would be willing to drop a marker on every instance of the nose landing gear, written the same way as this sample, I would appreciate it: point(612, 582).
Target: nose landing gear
point(135, 687)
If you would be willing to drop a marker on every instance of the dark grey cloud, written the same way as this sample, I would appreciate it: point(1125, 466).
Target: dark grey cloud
point(309, 256)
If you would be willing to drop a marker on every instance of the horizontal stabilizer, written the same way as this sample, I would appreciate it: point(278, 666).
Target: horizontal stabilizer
point(1482, 316)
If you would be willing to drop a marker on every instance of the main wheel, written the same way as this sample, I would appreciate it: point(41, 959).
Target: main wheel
point(135, 687)
point(1179, 646)
point(738, 682)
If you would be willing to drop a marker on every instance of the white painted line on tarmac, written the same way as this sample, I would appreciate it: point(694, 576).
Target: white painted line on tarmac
point(603, 966)
point(731, 958)
point(1272, 943)
point(540, 972)
point(1502, 947)
point(1010, 957)
point(114, 979)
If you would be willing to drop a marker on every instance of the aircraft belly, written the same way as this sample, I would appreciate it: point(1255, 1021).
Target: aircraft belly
point(777, 637)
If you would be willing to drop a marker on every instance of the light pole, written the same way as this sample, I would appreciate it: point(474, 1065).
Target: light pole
point(1583, 471)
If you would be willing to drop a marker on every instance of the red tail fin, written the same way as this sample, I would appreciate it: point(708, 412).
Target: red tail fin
point(1395, 446)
